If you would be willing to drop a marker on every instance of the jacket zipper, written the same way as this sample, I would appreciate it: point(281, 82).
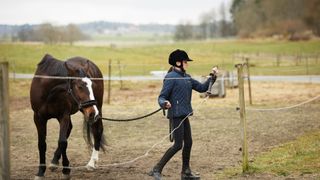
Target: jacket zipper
point(177, 108)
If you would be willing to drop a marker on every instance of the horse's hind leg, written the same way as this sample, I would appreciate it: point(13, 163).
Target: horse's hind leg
point(65, 124)
point(41, 125)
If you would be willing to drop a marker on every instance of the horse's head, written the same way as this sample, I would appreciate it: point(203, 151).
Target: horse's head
point(81, 90)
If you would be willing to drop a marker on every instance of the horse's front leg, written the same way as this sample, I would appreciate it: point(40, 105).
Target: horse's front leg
point(97, 131)
point(41, 125)
point(57, 154)
point(65, 124)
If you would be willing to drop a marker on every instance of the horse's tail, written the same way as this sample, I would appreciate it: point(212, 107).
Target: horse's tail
point(87, 135)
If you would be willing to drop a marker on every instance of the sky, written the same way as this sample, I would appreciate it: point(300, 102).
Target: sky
point(17, 12)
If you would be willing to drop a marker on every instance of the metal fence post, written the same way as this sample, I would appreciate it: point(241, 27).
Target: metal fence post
point(4, 123)
point(243, 123)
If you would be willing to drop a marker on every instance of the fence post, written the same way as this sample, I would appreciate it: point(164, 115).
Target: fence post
point(109, 81)
point(120, 74)
point(4, 122)
point(249, 81)
point(243, 123)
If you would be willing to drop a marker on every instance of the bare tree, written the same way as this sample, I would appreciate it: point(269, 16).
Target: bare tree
point(73, 33)
point(183, 32)
point(49, 34)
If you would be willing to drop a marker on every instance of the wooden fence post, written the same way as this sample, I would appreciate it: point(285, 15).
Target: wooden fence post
point(243, 123)
point(109, 81)
point(4, 122)
point(249, 81)
point(120, 74)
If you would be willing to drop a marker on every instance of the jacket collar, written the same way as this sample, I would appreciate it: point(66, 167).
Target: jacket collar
point(181, 73)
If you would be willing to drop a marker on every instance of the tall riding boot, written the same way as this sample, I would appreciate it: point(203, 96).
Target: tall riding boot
point(156, 171)
point(188, 175)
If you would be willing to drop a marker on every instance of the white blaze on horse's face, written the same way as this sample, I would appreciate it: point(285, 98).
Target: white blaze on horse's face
point(91, 95)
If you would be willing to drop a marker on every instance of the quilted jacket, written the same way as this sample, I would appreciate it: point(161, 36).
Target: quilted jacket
point(177, 89)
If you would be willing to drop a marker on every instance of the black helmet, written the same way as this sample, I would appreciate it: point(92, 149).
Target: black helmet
point(178, 55)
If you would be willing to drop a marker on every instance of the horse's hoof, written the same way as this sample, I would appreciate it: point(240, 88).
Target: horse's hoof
point(39, 178)
point(66, 176)
point(53, 167)
point(90, 168)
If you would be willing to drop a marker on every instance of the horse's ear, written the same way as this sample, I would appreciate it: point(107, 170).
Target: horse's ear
point(86, 67)
point(69, 69)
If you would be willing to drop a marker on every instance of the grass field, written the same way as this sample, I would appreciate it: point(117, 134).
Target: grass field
point(140, 60)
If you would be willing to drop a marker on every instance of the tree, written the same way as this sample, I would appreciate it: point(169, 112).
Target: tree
point(73, 33)
point(223, 21)
point(312, 16)
point(26, 33)
point(276, 17)
point(49, 34)
point(208, 25)
point(183, 32)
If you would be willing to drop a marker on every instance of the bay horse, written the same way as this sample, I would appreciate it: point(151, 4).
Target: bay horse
point(58, 90)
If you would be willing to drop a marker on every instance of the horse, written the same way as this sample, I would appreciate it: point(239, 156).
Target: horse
point(58, 90)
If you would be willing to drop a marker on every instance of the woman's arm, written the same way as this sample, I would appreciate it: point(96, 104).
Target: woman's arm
point(165, 93)
point(202, 87)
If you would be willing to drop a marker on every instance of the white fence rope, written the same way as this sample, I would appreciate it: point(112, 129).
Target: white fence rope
point(284, 108)
point(120, 78)
point(308, 78)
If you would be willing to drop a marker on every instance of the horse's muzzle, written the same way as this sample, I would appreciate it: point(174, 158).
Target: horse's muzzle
point(92, 118)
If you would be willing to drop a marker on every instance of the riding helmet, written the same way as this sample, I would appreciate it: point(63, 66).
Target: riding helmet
point(178, 55)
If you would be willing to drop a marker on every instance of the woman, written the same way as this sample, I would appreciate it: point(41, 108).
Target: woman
point(176, 97)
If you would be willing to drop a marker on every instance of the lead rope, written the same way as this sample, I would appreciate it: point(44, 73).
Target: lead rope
point(131, 119)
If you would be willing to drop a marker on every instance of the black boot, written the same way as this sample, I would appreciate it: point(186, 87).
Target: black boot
point(155, 172)
point(188, 175)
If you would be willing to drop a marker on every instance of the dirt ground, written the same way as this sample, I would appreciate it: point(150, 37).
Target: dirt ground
point(215, 128)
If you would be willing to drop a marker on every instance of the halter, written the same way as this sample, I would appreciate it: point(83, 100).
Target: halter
point(81, 105)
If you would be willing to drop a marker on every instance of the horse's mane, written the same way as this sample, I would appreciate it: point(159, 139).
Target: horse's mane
point(51, 66)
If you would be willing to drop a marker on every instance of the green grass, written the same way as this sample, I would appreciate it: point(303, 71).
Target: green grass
point(140, 60)
point(301, 156)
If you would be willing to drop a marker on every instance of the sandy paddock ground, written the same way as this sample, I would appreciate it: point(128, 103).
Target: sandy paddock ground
point(215, 128)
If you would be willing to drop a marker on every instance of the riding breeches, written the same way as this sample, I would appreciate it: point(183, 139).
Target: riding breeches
point(182, 139)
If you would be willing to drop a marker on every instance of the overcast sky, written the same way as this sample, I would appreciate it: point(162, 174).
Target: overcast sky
point(80, 11)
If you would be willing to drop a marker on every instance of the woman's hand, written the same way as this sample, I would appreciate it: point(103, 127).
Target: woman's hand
point(215, 70)
point(167, 105)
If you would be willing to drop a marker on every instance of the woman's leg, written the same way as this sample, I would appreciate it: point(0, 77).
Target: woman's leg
point(178, 136)
point(187, 145)
point(186, 172)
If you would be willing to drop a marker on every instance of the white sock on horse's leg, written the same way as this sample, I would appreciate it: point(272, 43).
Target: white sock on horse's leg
point(94, 158)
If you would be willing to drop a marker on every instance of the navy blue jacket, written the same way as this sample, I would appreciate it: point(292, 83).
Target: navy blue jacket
point(179, 92)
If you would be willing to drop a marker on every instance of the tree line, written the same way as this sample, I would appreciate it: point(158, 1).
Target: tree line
point(50, 34)
point(292, 19)
point(212, 25)
point(288, 19)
